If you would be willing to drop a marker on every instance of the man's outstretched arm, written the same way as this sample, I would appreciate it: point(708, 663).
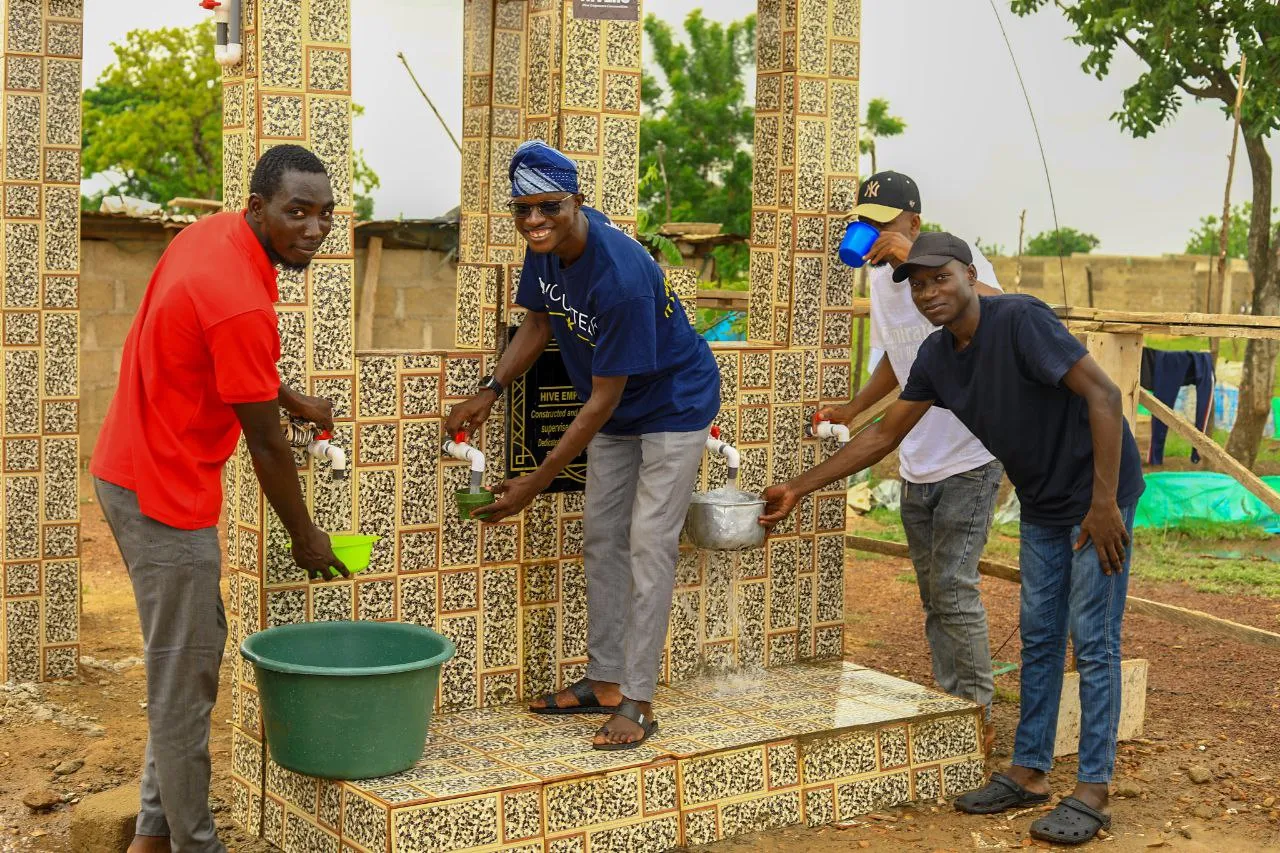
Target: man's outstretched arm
point(867, 448)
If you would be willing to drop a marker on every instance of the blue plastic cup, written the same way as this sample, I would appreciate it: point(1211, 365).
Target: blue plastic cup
point(859, 237)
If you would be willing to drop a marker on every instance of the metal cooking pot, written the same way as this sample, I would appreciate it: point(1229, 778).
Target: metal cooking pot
point(717, 525)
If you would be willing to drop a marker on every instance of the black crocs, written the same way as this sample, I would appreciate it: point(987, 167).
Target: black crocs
point(631, 711)
point(1072, 822)
point(587, 701)
point(1000, 794)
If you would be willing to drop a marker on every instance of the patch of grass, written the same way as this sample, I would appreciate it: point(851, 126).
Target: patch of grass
point(1178, 554)
point(1195, 529)
point(1005, 696)
point(905, 577)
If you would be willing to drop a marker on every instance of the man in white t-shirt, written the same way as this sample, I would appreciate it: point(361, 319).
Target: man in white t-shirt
point(950, 481)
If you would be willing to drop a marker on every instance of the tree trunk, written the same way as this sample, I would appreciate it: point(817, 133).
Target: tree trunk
point(1259, 355)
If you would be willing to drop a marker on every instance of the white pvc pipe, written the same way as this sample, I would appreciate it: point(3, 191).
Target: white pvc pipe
point(467, 453)
point(228, 48)
point(733, 460)
point(324, 449)
point(826, 429)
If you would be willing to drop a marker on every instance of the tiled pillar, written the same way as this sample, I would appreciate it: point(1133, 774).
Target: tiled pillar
point(533, 71)
point(294, 86)
point(41, 339)
point(806, 163)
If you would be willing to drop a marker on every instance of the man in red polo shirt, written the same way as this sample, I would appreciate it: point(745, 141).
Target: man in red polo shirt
point(199, 367)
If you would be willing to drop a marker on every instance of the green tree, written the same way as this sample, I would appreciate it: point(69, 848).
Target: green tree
point(697, 128)
point(1063, 242)
point(363, 179)
point(878, 124)
point(153, 120)
point(1192, 48)
point(1206, 238)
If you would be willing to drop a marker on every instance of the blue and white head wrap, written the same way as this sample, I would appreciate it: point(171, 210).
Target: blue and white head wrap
point(538, 168)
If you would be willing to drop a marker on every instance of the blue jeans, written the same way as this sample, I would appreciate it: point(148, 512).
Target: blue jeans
point(1064, 589)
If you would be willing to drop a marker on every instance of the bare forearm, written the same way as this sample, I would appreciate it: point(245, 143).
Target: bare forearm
point(866, 449)
point(278, 474)
point(1106, 423)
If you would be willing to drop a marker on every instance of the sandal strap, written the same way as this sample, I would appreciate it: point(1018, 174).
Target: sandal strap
point(631, 710)
point(581, 690)
point(1084, 809)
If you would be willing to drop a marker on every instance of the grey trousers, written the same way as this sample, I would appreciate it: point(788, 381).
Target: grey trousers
point(638, 491)
point(175, 577)
point(947, 524)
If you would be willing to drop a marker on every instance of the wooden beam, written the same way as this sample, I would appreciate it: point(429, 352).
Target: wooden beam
point(1177, 331)
point(1209, 448)
point(991, 568)
point(1155, 609)
point(732, 300)
point(369, 294)
point(1183, 318)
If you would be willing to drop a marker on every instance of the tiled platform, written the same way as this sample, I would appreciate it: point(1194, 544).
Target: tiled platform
point(805, 743)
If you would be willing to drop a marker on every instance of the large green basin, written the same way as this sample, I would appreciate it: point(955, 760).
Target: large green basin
point(347, 700)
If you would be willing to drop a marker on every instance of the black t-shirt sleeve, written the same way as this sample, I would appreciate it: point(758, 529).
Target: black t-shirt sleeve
point(1043, 344)
point(919, 387)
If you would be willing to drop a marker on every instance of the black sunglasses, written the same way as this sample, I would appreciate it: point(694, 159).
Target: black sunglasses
point(520, 210)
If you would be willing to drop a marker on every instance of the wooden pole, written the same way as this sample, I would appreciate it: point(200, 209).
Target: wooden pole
point(1154, 609)
point(1120, 356)
point(1209, 448)
point(427, 98)
point(1224, 235)
point(1017, 273)
point(369, 294)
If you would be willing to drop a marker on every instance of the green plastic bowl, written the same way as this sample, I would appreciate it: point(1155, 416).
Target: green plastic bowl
point(347, 700)
point(353, 551)
point(468, 501)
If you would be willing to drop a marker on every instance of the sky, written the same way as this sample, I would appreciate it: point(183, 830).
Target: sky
point(941, 64)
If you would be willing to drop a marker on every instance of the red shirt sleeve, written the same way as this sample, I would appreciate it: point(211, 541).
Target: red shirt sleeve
point(245, 349)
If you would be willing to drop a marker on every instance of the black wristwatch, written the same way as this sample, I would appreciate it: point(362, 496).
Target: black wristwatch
point(492, 384)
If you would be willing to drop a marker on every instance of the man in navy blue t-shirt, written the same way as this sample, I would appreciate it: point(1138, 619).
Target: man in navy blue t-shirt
point(650, 389)
point(1007, 368)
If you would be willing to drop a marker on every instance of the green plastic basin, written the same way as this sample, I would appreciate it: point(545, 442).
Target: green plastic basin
point(347, 700)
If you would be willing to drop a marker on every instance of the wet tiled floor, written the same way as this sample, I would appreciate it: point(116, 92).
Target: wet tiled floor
point(805, 743)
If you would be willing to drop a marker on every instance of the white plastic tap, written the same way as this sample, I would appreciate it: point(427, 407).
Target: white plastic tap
point(730, 453)
point(459, 449)
point(826, 429)
point(227, 48)
point(322, 447)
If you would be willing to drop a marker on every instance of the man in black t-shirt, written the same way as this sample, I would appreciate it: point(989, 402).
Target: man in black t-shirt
point(1009, 371)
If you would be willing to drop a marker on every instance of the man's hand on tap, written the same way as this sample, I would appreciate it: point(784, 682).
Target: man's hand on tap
point(467, 416)
point(316, 410)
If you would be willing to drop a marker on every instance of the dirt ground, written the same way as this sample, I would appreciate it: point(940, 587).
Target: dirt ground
point(1212, 703)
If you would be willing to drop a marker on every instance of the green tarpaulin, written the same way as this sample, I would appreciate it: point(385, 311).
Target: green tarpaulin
point(1175, 496)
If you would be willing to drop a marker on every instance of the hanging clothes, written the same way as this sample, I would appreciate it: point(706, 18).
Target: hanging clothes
point(1163, 373)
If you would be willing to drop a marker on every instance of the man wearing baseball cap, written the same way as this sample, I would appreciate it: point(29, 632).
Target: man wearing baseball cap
point(950, 481)
point(1007, 368)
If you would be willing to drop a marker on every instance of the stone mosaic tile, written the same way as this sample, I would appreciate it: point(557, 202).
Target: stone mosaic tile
point(22, 638)
point(454, 825)
point(960, 777)
point(945, 737)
